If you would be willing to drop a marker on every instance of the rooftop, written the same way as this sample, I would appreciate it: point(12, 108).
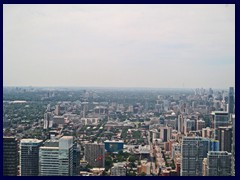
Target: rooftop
point(31, 141)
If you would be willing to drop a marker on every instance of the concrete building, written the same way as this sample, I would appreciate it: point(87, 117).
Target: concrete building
point(225, 138)
point(95, 154)
point(100, 110)
point(219, 118)
point(218, 163)
point(165, 133)
point(233, 145)
point(176, 148)
point(118, 169)
point(214, 145)
point(66, 156)
point(57, 110)
point(207, 132)
point(204, 167)
point(76, 159)
point(180, 124)
point(58, 120)
point(88, 121)
point(10, 156)
point(231, 101)
point(194, 150)
point(49, 158)
point(56, 157)
point(46, 121)
point(189, 125)
point(29, 158)
point(113, 146)
point(200, 125)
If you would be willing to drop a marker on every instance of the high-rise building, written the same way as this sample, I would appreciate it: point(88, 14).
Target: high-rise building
point(57, 110)
point(165, 133)
point(30, 156)
point(214, 145)
point(49, 158)
point(76, 159)
point(219, 118)
point(180, 123)
point(200, 125)
point(225, 138)
point(10, 156)
point(46, 121)
point(194, 150)
point(218, 163)
point(233, 145)
point(189, 125)
point(56, 157)
point(207, 132)
point(66, 156)
point(204, 167)
point(231, 101)
point(95, 154)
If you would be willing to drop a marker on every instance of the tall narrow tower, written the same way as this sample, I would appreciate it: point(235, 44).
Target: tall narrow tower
point(10, 156)
point(231, 101)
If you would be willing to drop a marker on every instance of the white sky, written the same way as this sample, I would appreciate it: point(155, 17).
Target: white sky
point(163, 46)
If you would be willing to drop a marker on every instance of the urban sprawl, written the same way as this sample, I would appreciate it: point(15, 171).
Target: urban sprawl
point(118, 132)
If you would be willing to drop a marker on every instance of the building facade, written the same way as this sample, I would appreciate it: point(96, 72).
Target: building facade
point(233, 145)
point(113, 146)
point(219, 118)
point(194, 150)
point(218, 163)
point(118, 169)
point(95, 154)
point(30, 157)
point(231, 101)
point(10, 156)
point(225, 138)
point(56, 157)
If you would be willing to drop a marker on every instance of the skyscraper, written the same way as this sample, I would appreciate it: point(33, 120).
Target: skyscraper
point(46, 121)
point(194, 150)
point(231, 101)
point(233, 145)
point(165, 133)
point(214, 145)
point(30, 156)
point(189, 125)
point(225, 138)
point(219, 118)
point(56, 157)
point(10, 156)
point(200, 125)
point(95, 154)
point(49, 158)
point(66, 156)
point(76, 159)
point(218, 163)
point(180, 123)
point(204, 167)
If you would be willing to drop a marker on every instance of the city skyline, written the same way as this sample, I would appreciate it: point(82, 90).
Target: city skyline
point(117, 132)
point(152, 46)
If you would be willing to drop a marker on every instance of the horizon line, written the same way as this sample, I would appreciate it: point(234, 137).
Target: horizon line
point(111, 87)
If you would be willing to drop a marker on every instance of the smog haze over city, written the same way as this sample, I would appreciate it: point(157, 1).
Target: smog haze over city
point(119, 90)
point(159, 46)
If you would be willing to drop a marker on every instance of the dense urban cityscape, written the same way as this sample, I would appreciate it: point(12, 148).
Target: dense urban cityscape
point(118, 132)
point(119, 90)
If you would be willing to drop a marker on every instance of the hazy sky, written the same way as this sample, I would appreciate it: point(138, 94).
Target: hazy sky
point(163, 46)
